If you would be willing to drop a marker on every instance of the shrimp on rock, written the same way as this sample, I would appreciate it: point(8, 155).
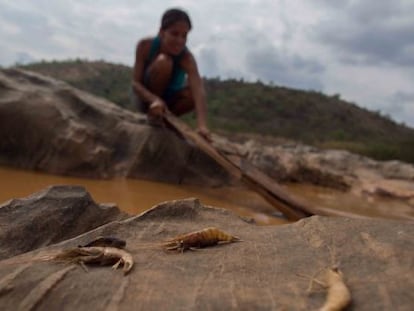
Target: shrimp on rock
point(198, 239)
point(97, 255)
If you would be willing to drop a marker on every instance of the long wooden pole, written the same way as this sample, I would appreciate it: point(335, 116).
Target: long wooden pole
point(292, 208)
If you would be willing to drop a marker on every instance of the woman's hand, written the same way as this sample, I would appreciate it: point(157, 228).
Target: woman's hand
point(157, 108)
point(204, 132)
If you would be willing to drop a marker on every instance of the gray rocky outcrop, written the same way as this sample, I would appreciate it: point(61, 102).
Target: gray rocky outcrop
point(271, 269)
point(49, 126)
point(50, 216)
point(338, 169)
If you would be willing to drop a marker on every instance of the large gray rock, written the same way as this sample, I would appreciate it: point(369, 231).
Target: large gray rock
point(269, 270)
point(49, 126)
point(50, 216)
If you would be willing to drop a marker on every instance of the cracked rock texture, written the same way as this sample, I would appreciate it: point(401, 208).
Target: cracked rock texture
point(269, 270)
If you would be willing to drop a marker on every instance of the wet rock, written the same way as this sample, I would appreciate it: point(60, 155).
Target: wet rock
point(270, 269)
point(48, 217)
point(49, 126)
point(337, 169)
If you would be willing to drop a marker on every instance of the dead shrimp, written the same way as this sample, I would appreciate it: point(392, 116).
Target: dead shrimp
point(339, 296)
point(97, 255)
point(198, 239)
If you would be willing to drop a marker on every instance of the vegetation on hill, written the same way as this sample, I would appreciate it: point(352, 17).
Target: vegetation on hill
point(241, 107)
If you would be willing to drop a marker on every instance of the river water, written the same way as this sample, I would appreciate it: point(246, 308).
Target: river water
point(135, 196)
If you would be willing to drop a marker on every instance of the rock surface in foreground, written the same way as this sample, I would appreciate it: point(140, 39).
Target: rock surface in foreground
point(264, 272)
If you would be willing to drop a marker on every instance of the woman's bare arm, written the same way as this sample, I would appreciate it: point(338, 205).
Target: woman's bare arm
point(197, 89)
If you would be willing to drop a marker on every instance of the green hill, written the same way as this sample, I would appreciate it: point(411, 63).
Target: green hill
point(241, 107)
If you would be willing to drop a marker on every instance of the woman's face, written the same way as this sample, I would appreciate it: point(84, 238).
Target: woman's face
point(174, 38)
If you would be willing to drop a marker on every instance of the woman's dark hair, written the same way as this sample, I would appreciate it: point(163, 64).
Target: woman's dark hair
point(172, 16)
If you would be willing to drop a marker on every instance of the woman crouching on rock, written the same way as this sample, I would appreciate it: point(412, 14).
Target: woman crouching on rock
point(166, 74)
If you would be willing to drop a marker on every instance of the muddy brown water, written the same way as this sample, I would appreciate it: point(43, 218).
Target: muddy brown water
point(135, 196)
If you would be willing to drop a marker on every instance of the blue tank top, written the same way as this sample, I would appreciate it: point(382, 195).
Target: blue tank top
point(177, 81)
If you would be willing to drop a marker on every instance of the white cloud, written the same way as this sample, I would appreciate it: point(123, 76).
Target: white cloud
point(362, 50)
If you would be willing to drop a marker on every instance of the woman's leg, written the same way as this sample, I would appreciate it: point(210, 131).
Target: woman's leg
point(158, 77)
point(181, 102)
point(158, 74)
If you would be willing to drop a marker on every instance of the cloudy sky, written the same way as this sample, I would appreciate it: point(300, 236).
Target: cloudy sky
point(360, 49)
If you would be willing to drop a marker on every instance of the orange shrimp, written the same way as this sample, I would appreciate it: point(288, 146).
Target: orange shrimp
point(198, 239)
point(339, 296)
